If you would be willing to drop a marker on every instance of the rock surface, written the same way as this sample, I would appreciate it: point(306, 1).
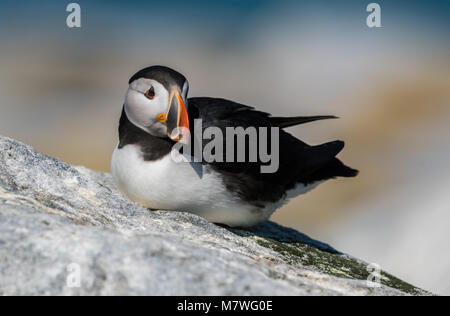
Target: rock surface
point(58, 222)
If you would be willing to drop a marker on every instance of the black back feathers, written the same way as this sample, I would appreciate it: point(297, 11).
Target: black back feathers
point(298, 161)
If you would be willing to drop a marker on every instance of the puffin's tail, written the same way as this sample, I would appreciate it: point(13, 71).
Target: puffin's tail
point(322, 163)
point(335, 168)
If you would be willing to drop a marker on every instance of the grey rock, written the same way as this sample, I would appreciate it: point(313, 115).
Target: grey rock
point(55, 217)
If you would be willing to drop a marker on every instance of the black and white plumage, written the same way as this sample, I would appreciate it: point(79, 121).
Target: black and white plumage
point(231, 193)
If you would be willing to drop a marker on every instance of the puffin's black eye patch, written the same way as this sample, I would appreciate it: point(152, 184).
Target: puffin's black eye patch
point(150, 93)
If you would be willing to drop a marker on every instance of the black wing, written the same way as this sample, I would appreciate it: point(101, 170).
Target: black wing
point(298, 161)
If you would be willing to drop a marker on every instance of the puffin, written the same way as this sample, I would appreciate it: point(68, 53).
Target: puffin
point(158, 119)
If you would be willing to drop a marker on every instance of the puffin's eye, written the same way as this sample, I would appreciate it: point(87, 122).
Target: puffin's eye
point(150, 93)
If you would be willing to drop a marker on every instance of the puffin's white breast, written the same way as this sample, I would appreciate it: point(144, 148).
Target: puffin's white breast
point(192, 187)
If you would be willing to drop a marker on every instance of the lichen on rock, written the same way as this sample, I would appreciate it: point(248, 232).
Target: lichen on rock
point(53, 215)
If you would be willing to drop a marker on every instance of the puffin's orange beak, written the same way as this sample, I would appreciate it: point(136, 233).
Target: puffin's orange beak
point(177, 119)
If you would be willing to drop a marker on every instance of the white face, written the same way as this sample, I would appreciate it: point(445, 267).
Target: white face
point(143, 110)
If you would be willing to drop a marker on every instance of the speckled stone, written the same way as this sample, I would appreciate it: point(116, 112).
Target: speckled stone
point(53, 215)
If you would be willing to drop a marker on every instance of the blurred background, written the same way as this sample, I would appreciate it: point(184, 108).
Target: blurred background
point(61, 90)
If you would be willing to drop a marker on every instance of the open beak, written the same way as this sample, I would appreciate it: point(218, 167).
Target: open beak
point(177, 118)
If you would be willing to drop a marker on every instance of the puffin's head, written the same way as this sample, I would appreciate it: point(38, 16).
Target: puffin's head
point(156, 102)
